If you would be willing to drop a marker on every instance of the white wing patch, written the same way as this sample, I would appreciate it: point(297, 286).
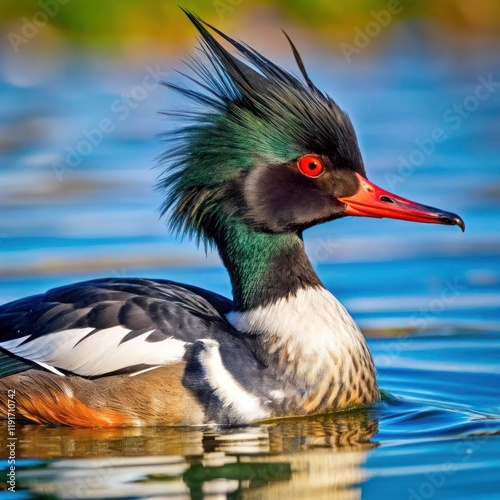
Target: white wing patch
point(244, 405)
point(98, 354)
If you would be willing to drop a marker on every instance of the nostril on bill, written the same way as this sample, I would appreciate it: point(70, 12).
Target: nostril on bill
point(386, 199)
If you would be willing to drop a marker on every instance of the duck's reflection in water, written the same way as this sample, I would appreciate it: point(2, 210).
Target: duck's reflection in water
point(297, 458)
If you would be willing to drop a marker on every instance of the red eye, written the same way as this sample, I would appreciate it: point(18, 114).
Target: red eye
point(312, 166)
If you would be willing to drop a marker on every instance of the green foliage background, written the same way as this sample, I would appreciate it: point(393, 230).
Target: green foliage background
point(117, 24)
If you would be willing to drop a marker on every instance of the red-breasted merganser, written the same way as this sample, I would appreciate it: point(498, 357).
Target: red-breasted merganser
point(265, 157)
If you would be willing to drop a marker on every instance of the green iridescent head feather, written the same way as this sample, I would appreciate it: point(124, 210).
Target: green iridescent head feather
point(249, 109)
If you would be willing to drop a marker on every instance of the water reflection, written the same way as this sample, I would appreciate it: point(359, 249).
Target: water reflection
point(296, 458)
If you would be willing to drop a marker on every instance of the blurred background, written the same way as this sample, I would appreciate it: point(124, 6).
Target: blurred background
point(130, 26)
point(79, 120)
point(80, 98)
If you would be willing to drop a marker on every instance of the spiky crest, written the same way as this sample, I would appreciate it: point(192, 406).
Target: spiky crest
point(248, 111)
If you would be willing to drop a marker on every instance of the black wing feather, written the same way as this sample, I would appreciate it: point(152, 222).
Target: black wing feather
point(164, 308)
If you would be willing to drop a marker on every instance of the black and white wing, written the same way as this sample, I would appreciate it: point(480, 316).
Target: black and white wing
point(108, 326)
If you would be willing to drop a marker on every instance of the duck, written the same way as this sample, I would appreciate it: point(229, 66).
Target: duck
point(261, 156)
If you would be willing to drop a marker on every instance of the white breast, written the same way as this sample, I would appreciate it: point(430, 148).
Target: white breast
point(312, 326)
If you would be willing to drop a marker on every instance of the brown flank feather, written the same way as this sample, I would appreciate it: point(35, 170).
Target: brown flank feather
point(156, 397)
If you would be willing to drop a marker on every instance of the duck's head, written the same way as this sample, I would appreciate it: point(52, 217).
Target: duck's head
point(268, 150)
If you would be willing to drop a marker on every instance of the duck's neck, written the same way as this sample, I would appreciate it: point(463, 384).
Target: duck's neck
point(296, 326)
point(264, 267)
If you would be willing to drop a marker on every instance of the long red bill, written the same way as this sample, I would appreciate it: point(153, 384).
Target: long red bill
point(372, 201)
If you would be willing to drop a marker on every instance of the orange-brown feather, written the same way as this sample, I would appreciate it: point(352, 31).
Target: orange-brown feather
point(57, 407)
point(156, 397)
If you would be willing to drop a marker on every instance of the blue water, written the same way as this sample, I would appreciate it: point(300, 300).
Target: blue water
point(427, 297)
